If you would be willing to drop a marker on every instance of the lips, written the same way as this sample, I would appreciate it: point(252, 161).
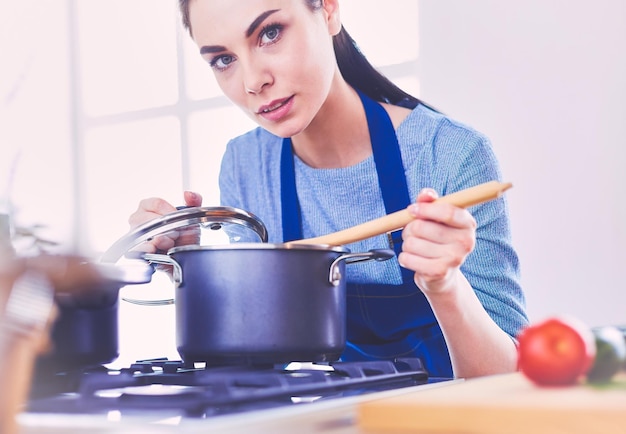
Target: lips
point(276, 109)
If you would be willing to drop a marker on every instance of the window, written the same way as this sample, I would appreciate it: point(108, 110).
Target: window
point(111, 103)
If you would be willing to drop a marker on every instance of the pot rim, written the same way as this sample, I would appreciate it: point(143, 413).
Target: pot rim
point(260, 246)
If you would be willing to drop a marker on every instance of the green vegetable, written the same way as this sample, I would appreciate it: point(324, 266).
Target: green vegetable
point(610, 354)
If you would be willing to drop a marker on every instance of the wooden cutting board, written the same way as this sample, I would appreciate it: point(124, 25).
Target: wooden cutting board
point(501, 404)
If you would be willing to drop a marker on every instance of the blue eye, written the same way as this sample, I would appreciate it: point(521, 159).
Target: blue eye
point(270, 34)
point(221, 62)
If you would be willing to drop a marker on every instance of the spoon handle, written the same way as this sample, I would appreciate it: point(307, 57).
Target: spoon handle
point(397, 220)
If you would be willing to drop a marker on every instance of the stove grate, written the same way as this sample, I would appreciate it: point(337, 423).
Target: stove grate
point(200, 392)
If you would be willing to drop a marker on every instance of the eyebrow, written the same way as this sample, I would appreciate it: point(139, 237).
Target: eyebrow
point(205, 49)
point(212, 49)
point(257, 22)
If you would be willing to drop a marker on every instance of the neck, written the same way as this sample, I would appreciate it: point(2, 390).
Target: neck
point(338, 136)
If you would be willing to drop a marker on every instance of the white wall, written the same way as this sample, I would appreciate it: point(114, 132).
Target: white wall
point(546, 81)
point(36, 179)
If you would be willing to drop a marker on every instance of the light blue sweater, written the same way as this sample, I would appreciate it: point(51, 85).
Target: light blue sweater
point(437, 152)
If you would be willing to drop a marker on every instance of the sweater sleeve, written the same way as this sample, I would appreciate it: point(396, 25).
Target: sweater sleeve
point(493, 266)
point(448, 156)
point(229, 194)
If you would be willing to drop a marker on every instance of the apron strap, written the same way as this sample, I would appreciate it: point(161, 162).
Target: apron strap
point(387, 156)
point(389, 170)
point(290, 206)
point(389, 167)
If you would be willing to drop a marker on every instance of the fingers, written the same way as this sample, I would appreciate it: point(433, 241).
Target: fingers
point(155, 207)
point(444, 213)
point(163, 243)
point(189, 235)
point(149, 209)
point(430, 246)
point(427, 270)
point(152, 208)
point(440, 226)
point(427, 195)
point(192, 198)
point(438, 240)
point(437, 224)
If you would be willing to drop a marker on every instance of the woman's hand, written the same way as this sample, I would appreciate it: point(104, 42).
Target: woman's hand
point(437, 242)
point(152, 208)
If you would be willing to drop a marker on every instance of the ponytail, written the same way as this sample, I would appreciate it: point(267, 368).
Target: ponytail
point(361, 75)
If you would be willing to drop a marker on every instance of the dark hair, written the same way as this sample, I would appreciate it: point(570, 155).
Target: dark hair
point(353, 65)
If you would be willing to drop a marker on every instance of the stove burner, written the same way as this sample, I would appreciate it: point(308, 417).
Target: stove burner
point(160, 384)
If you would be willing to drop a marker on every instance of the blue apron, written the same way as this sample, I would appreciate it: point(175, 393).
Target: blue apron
point(383, 321)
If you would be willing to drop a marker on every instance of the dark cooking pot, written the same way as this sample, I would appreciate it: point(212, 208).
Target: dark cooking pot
point(85, 332)
point(252, 302)
point(261, 303)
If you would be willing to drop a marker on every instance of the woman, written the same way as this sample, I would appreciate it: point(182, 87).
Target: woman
point(338, 145)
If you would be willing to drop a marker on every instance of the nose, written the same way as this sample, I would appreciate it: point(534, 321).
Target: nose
point(253, 91)
point(256, 77)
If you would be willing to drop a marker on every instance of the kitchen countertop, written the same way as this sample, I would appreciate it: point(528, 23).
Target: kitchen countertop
point(507, 403)
point(333, 416)
point(494, 404)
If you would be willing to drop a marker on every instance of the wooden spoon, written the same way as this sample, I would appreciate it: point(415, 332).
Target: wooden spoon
point(399, 219)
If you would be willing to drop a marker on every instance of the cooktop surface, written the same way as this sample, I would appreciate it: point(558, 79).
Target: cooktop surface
point(173, 388)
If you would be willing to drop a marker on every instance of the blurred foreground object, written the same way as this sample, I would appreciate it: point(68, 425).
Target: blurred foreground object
point(27, 288)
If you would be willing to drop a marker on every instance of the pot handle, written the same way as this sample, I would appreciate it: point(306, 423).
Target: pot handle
point(334, 276)
point(155, 258)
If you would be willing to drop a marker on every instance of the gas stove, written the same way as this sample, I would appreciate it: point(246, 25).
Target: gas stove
point(164, 388)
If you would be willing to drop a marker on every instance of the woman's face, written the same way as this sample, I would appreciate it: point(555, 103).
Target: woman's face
point(272, 58)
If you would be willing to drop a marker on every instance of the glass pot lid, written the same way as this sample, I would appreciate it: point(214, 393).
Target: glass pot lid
point(236, 224)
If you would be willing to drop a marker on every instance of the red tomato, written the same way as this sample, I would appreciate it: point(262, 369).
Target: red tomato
point(556, 351)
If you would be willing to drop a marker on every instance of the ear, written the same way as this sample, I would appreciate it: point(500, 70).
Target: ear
point(331, 10)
